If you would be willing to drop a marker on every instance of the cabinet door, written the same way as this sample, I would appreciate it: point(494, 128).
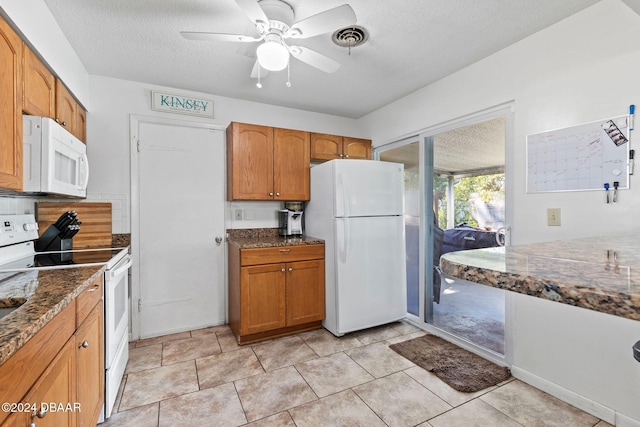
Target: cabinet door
point(56, 388)
point(90, 367)
point(262, 302)
point(305, 292)
point(249, 162)
point(291, 162)
point(10, 108)
point(39, 87)
point(325, 147)
point(356, 148)
point(80, 124)
point(66, 107)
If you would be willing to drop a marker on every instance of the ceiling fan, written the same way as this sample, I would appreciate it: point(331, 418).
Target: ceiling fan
point(275, 23)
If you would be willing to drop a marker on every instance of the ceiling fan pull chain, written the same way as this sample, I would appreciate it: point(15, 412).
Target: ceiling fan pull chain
point(289, 74)
point(259, 85)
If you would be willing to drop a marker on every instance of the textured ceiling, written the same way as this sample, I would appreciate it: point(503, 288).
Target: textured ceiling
point(475, 148)
point(412, 44)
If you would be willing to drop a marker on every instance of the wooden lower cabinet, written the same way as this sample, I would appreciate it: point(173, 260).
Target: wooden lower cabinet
point(276, 298)
point(55, 391)
point(262, 298)
point(52, 398)
point(89, 346)
point(68, 390)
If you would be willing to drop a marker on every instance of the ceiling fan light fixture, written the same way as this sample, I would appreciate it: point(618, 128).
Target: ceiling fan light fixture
point(272, 54)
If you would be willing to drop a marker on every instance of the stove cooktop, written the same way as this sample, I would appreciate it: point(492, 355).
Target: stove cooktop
point(65, 259)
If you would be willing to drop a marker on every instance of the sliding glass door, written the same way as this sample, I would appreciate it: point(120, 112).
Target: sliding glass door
point(454, 200)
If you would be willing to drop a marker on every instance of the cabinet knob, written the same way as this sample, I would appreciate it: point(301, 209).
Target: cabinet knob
point(84, 344)
point(347, 156)
point(290, 269)
point(278, 194)
point(283, 270)
point(271, 194)
point(340, 154)
point(40, 414)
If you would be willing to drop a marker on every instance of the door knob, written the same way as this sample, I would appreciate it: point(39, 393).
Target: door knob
point(218, 240)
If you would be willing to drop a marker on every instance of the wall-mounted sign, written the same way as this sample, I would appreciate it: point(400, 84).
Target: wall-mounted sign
point(180, 104)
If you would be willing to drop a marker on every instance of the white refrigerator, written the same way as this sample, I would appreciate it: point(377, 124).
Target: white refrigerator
point(357, 208)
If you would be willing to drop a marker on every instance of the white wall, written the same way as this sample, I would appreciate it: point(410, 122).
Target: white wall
point(36, 23)
point(108, 145)
point(583, 69)
point(582, 356)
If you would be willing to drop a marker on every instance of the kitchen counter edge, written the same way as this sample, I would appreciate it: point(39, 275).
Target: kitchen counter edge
point(475, 266)
point(56, 289)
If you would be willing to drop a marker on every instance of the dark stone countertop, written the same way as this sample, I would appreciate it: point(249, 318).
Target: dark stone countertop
point(598, 273)
point(43, 294)
point(252, 238)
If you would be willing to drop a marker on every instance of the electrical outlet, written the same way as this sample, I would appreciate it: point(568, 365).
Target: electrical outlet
point(238, 214)
point(553, 216)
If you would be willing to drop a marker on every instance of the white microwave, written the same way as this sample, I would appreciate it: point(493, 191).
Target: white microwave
point(55, 161)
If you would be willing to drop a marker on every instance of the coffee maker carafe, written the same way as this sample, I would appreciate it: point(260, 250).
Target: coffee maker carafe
point(290, 219)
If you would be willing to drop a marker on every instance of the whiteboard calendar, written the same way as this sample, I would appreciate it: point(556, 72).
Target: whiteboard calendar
point(582, 157)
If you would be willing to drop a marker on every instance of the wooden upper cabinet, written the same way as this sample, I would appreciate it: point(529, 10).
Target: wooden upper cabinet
point(330, 147)
point(264, 163)
point(11, 48)
point(80, 124)
point(39, 87)
point(291, 163)
point(249, 162)
point(325, 147)
point(356, 148)
point(66, 106)
point(69, 113)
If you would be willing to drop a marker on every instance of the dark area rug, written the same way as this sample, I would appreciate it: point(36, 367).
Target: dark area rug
point(461, 369)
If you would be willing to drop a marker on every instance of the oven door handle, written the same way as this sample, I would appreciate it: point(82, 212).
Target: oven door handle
point(123, 269)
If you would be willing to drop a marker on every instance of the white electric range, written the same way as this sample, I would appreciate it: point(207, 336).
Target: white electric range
point(18, 256)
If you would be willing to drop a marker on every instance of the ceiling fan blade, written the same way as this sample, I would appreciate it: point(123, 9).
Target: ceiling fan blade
point(323, 22)
point(219, 37)
point(252, 9)
point(315, 59)
point(254, 71)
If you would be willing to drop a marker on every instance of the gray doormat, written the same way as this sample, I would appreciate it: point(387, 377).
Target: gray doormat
point(461, 369)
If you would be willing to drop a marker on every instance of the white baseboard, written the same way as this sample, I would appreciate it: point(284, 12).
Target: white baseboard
point(596, 409)
point(624, 421)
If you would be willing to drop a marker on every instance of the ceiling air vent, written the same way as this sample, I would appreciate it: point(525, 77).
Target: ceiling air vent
point(351, 36)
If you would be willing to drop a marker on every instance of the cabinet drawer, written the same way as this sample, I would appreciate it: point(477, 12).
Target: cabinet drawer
point(280, 254)
point(88, 299)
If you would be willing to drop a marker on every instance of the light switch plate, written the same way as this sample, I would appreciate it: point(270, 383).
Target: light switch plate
point(553, 216)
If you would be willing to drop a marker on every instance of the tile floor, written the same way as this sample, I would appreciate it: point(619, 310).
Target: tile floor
point(313, 379)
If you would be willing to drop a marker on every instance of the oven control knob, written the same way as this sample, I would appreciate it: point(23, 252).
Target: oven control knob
point(30, 227)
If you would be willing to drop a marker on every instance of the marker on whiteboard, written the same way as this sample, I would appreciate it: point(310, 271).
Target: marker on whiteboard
point(606, 190)
point(631, 154)
point(632, 109)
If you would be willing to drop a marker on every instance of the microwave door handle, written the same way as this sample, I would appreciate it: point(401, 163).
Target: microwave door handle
point(86, 168)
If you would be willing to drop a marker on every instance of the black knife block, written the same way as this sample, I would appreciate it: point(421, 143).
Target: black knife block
point(49, 241)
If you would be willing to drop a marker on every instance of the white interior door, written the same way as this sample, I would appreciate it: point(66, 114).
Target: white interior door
point(178, 211)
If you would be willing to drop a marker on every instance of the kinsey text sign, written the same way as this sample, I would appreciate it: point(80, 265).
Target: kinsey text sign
point(181, 104)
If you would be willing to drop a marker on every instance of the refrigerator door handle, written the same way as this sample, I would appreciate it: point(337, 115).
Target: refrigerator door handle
point(345, 199)
point(342, 240)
